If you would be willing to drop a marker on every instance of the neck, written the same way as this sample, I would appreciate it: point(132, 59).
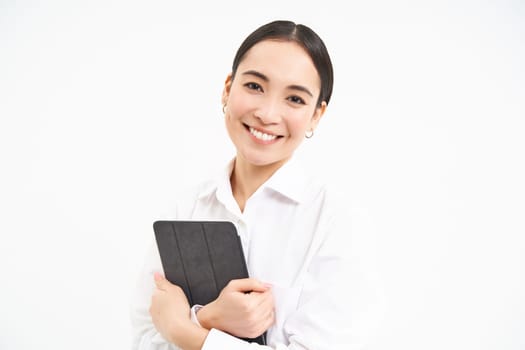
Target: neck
point(246, 178)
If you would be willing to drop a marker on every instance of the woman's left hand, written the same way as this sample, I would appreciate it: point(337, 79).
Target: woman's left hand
point(170, 312)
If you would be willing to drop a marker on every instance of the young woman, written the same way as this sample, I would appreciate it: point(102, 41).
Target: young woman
point(307, 288)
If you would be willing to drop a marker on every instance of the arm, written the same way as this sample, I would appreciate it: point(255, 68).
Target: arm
point(235, 311)
point(144, 334)
point(244, 308)
point(340, 301)
point(170, 314)
point(336, 309)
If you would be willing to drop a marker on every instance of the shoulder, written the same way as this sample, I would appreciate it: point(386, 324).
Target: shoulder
point(330, 198)
point(201, 191)
point(340, 212)
point(187, 197)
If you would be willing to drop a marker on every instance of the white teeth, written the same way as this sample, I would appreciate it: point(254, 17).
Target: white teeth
point(262, 135)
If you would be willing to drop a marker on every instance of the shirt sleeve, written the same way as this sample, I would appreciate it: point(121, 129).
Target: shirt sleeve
point(144, 333)
point(193, 314)
point(339, 305)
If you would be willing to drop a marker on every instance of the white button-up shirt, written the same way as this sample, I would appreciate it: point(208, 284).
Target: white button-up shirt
point(296, 237)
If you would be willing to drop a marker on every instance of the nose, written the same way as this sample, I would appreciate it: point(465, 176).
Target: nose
point(269, 112)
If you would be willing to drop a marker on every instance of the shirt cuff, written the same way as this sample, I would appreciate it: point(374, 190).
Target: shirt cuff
point(193, 313)
point(219, 340)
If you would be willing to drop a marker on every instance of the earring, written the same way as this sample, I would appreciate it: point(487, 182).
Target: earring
point(224, 109)
point(309, 134)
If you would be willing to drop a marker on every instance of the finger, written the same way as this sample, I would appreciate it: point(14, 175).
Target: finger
point(265, 301)
point(248, 285)
point(259, 303)
point(270, 320)
point(265, 322)
point(160, 281)
point(261, 297)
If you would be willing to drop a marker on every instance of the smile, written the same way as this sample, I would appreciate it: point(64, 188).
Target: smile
point(261, 135)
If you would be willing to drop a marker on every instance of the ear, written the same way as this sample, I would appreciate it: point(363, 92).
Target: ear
point(318, 113)
point(226, 89)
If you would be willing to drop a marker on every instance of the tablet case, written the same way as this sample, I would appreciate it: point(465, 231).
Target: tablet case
point(201, 257)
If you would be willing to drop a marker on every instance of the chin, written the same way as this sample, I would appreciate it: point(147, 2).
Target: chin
point(260, 162)
point(264, 161)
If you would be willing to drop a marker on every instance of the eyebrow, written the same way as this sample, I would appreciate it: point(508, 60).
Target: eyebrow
point(266, 79)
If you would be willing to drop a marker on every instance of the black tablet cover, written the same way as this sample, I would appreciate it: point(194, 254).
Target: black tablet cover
point(201, 257)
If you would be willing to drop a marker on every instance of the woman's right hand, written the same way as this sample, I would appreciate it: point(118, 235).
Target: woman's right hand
point(244, 308)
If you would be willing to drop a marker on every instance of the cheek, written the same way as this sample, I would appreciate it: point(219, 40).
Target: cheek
point(239, 103)
point(298, 123)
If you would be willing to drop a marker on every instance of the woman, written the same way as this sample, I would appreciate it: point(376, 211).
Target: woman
point(306, 287)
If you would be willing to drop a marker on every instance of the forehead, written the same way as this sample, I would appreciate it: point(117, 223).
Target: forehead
point(281, 61)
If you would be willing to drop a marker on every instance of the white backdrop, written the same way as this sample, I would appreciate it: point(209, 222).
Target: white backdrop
point(107, 108)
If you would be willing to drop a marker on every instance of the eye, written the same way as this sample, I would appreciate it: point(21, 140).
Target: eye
point(296, 99)
point(254, 86)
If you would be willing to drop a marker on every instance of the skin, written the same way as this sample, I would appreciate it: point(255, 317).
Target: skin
point(244, 308)
point(269, 94)
point(274, 92)
point(170, 313)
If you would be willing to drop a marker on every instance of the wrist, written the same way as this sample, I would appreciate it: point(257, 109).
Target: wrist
point(189, 336)
point(205, 316)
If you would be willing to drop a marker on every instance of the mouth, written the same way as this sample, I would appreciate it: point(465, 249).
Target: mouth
point(261, 135)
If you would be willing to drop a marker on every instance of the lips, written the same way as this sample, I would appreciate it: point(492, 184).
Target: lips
point(261, 135)
point(264, 136)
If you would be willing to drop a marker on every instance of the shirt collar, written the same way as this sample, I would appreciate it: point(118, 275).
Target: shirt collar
point(291, 181)
point(220, 183)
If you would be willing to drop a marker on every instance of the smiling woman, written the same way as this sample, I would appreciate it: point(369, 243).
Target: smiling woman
point(270, 105)
point(308, 287)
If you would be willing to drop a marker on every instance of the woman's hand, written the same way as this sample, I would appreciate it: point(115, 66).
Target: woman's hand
point(170, 313)
point(244, 308)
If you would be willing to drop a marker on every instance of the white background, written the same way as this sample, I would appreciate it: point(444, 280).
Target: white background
point(107, 108)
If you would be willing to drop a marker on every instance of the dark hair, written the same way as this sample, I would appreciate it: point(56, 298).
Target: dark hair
point(302, 35)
